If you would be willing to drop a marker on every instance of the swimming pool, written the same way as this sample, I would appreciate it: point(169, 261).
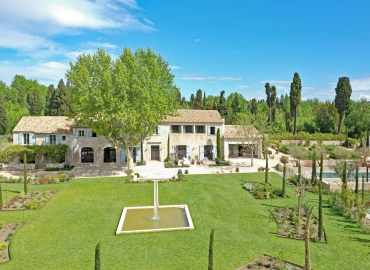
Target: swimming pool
point(333, 175)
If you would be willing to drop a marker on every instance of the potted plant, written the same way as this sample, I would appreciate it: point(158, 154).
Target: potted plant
point(198, 162)
point(176, 161)
point(237, 169)
point(179, 171)
point(261, 169)
point(217, 161)
point(186, 171)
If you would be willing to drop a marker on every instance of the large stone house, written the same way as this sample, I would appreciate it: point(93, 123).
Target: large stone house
point(191, 133)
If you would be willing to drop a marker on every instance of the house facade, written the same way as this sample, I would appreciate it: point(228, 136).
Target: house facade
point(190, 133)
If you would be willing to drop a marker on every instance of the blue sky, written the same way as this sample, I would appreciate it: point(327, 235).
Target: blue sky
point(236, 46)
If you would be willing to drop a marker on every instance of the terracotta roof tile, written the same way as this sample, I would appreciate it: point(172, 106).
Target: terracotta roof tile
point(195, 116)
point(44, 124)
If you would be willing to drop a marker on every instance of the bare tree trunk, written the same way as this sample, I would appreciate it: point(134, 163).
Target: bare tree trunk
point(130, 160)
point(252, 151)
point(340, 122)
point(307, 241)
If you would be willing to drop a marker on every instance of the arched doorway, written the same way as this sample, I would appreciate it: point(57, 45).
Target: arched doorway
point(87, 155)
point(110, 154)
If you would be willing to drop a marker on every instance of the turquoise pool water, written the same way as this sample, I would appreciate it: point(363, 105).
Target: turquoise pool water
point(333, 175)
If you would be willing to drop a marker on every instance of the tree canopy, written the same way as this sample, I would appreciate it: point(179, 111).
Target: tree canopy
point(122, 99)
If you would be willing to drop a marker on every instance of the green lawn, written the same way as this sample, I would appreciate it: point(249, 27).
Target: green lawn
point(64, 233)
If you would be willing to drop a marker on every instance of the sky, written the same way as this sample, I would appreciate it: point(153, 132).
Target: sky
point(234, 45)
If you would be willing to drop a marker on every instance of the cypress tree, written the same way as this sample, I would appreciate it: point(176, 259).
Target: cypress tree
point(25, 172)
point(343, 93)
point(97, 257)
point(266, 169)
point(307, 241)
point(313, 175)
point(210, 253)
point(4, 121)
point(1, 198)
point(363, 188)
point(218, 144)
point(295, 98)
point(356, 187)
point(34, 100)
point(320, 229)
point(49, 106)
point(344, 184)
point(284, 175)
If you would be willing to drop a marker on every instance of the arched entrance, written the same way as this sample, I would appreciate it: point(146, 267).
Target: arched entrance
point(87, 155)
point(110, 154)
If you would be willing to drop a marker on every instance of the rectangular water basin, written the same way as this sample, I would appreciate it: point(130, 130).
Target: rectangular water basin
point(141, 219)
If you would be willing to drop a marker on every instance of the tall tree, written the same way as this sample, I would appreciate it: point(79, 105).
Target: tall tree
point(295, 98)
point(254, 106)
point(270, 100)
point(307, 240)
point(222, 106)
point(35, 102)
point(122, 99)
point(218, 144)
point(343, 93)
point(49, 105)
point(210, 251)
point(320, 227)
point(4, 122)
point(97, 257)
point(198, 104)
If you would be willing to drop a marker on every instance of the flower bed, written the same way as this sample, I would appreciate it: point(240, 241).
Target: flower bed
point(269, 262)
point(291, 226)
point(7, 231)
point(262, 191)
point(33, 200)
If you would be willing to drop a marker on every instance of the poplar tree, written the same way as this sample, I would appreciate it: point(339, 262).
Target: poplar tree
point(343, 93)
point(295, 98)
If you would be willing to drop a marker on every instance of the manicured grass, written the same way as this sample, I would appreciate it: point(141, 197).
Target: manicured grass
point(64, 233)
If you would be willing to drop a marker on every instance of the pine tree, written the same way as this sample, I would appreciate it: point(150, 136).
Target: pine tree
point(97, 257)
point(210, 253)
point(295, 98)
point(4, 121)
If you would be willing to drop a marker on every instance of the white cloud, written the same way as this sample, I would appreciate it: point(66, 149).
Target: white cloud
point(174, 67)
point(360, 84)
point(197, 40)
point(103, 45)
point(208, 78)
point(44, 72)
point(275, 82)
point(242, 86)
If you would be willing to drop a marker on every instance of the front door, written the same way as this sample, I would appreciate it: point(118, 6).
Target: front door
point(154, 150)
point(208, 151)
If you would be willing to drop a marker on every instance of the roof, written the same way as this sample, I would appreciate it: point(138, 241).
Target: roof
point(234, 131)
point(44, 124)
point(195, 116)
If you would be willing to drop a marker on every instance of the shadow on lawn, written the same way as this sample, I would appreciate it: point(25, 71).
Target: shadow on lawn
point(366, 242)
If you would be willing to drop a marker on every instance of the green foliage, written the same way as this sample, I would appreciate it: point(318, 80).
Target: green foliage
point(32, 204)
point(1, 199)
point(295, 98)
point(3, 116)
point(141, 163)
point(35, 102)
point(3, 246)
point(343, 93)
point(97, 256)
point(218, 144)
point(210, 253)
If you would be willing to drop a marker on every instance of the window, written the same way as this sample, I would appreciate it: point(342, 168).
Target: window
point(188, 129)
point(63, 138)
point(94, 134)
point(200, 129)
point(87, 155)
point(211, 130)
point(156, 130)
point(26, 138)
point(53, 140)
point(81, 133)
point(175, 129)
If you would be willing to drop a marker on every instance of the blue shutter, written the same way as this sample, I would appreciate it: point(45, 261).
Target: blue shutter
point(209, 130)
point(214, 152)
point(122, 156)
point(158, 130)
point(32, 138)
point(89, 133)
point(201, 151)
point(20, 138)
point(76, 133)
point(85, 133)
point(47, 140)
point(188, 154)
point(138, 153)
point(57, 139)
